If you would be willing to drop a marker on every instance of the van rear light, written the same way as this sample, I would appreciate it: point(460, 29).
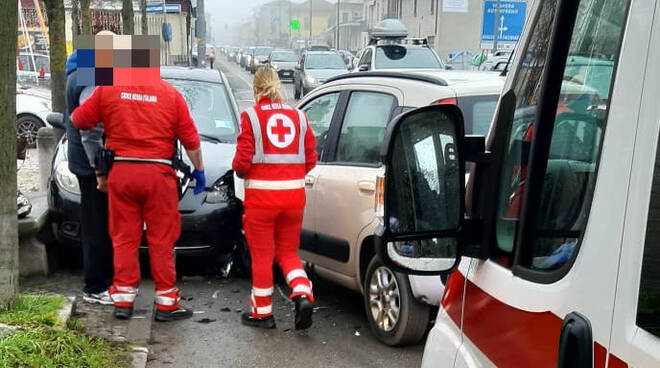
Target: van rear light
point(380, 196)
point(446, 101)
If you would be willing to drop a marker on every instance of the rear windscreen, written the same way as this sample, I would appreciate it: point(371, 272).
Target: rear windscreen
point(478, 112)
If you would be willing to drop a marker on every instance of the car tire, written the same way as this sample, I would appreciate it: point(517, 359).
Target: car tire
point(28, 126)
point(296, 92)
point(412, 320)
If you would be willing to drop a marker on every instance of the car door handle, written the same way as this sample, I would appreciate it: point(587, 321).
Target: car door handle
point(366, 186)
point(309, 181)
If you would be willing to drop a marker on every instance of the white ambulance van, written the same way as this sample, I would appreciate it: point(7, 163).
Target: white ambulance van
point(554, 243)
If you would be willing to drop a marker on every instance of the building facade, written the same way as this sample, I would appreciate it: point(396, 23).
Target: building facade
point(352, 26)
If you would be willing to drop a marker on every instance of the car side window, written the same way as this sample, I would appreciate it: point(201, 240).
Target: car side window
point(363, 129)
point(319, 113)
point(648, 304)
point(366, 59)
point(570, 175)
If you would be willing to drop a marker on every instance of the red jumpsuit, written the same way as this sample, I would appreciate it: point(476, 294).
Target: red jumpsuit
point(142, 122)
point(276, 149)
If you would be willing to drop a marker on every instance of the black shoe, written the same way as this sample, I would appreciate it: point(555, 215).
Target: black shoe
point(304, 309)
point(248, 320)
point(123, 312)
point(175, 315)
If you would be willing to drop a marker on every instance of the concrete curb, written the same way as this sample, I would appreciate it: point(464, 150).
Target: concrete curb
point(65, 312)
point(139, 356)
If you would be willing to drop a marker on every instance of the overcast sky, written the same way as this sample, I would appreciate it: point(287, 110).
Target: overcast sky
point(233, 11)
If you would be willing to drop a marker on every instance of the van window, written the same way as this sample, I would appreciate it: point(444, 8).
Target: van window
point(575, 146)
point(648, 305)
point(364, 127)
point(478, 112)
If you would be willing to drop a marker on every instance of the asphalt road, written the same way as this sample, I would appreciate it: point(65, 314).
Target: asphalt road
point(214, 337)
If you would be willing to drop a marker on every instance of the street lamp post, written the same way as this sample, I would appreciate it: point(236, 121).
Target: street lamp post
point(310, 20)
point(496, 28)
point(337, 27)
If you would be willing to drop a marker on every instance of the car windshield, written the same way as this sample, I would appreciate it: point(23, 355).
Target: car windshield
point(399, 57)
point(324, 61)
point(284, 56)
point(209, 107)
point(262, 51)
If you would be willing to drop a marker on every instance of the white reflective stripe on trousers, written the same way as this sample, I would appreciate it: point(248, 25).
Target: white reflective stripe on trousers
point(163, 292)
point(275, 184)
point(118, 298)
point(127, 289)
point(265, 310)
point(261, 158)
point(262, 292)
point(294, 274)
point(166, 300)
point(301, 289)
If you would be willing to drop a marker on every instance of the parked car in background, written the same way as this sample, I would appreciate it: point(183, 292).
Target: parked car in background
point(349, 115)
point(32, 106)
point(496, 61)
point(389, 49)
point(246, 57)
point(210, 222)
point(348, 58)
point(232, 54)
point(284, 62)
point(314, 68)
point(261, 54)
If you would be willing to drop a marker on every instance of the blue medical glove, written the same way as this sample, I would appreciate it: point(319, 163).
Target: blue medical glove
point(200, 181)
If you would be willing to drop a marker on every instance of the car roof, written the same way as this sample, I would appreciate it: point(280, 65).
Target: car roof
point(440, 77)
point(187, 73)
point(322, 52)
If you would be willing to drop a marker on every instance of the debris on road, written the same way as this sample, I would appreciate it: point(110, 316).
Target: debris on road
point(205, 320)
point(225, 309)
point(235, 291)
point(215, 295)
point(199, 312)
point(357, 333)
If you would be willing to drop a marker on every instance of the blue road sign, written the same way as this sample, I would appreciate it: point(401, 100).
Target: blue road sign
point(508, 25)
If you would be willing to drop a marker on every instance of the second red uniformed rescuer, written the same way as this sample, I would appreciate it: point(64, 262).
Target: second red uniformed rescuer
point(276, 149)
point(141, 125)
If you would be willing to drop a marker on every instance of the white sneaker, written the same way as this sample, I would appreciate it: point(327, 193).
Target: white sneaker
point(100, 298)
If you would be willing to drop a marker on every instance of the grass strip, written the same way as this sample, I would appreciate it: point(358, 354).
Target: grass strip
point(47, 347)
point(33, 310)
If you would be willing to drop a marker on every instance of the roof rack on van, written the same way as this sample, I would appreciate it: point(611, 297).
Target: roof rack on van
point(399, 75)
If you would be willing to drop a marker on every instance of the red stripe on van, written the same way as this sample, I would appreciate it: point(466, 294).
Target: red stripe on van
point(615, 362)
point(508, 336)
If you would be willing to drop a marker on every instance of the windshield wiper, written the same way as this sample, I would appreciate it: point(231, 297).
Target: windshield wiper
point(213, 138)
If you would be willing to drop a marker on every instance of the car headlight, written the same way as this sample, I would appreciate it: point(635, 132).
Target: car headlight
point(311, 80)
point(218, 193)
point(65, 179)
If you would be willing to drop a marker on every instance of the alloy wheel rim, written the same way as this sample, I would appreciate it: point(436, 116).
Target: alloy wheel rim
point(27, 129)
point(384, 298)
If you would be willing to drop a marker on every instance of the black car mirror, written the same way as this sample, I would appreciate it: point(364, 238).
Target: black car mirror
point(297, 67)
point(421, 196)
point(363, 68)
point(56, 119)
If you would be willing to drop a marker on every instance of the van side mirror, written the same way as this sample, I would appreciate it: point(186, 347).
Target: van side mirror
point(297, 67)
point(56, 119)
point(421, 197)
point(363, 68)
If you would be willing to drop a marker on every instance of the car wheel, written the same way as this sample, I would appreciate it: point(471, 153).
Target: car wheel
point(394, 315)
point(27, 127)
point(296, 92)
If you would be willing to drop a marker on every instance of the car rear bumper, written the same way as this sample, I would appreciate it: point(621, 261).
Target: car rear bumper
point(285, 74)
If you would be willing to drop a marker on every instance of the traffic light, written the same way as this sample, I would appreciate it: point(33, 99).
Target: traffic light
point(295, 24)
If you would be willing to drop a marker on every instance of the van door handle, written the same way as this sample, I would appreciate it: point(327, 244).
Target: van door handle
point(367, 186)
point(309, 181)
point(576, 343)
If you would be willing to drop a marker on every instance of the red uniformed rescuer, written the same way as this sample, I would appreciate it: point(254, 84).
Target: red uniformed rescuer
point(276, 149)
point(141, 125)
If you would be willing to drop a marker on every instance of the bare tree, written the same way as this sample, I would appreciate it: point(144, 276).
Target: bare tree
point(75, 17)
point(86, 17)
point(8, 217)
point(143, 11)
point(127, 17)
point(56, 33)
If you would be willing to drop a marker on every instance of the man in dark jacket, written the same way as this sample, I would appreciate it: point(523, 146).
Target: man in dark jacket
point(95, 238)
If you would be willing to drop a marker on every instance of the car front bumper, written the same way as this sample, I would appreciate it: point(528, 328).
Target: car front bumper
point(209, 227)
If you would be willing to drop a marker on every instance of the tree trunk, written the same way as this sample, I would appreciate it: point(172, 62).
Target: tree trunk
point(143, 10)
point(86, 17)
point(56, 33)
point(8, 217)
point(75, 17)
point(127, 17)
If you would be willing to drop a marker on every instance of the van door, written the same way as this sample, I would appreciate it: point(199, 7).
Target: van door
point(347, 182)
point(554, 211)
point(636, 322)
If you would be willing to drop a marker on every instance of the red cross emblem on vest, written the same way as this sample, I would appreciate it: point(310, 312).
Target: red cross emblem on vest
point(280, 130)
